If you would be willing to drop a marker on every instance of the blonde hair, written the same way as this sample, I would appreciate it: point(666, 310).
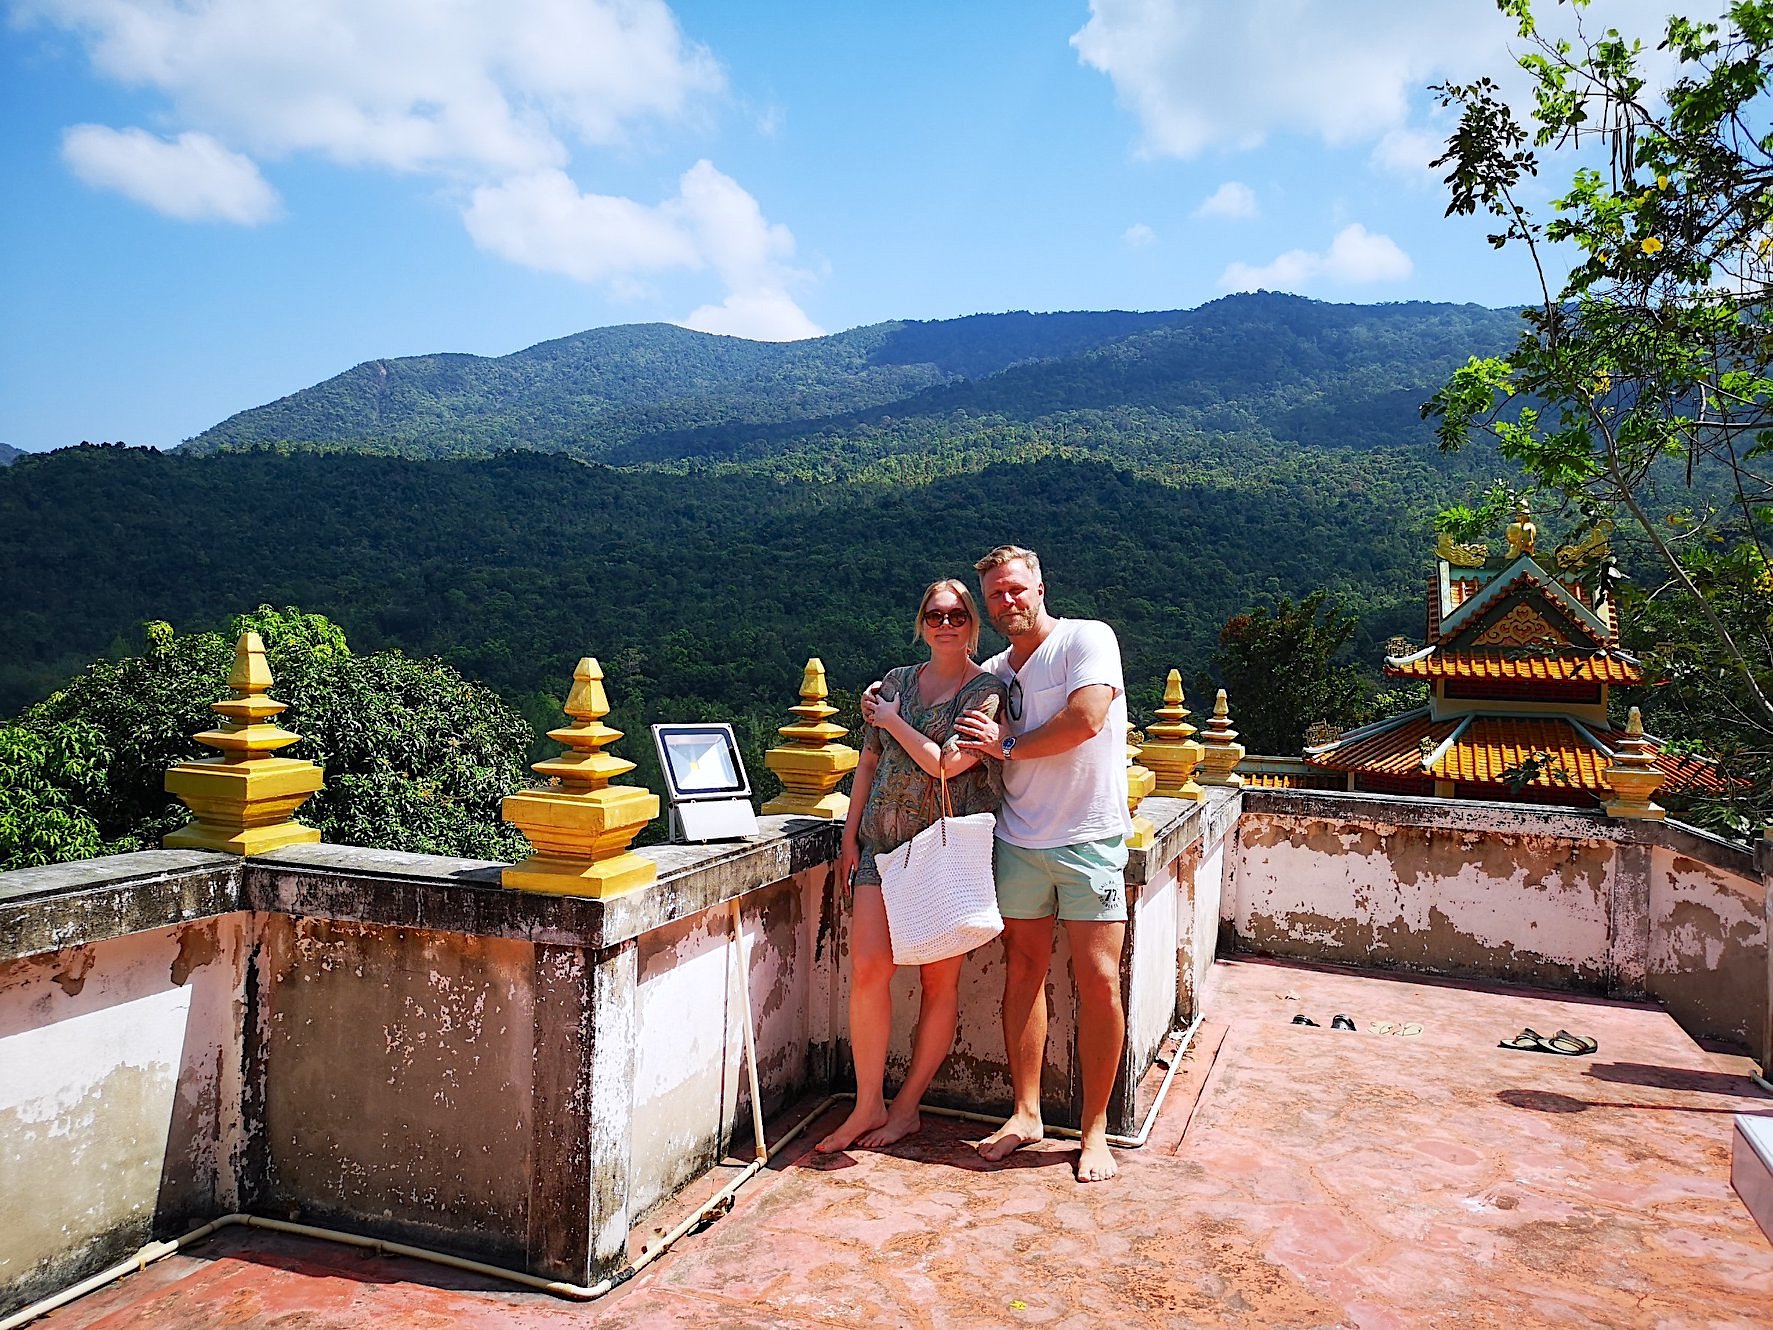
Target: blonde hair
point(1008, 554)
point(967, 603)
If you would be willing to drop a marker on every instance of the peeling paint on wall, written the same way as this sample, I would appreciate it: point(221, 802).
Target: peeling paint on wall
point(113, 1075)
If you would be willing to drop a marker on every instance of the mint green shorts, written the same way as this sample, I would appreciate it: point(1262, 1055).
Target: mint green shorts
point(1082, 882)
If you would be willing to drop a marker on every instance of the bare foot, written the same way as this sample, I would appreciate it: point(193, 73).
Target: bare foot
point(1011, 1137)
point(860, 1120)
point(1094, 1162)
point(895, 1129)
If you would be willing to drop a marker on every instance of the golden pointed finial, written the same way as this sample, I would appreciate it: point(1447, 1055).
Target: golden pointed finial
point(811, 763)
point(1170, 749)
point(244, 800)
point(1141, 781)
point(1634, 775)
point(1223, 751)
point(581, 824)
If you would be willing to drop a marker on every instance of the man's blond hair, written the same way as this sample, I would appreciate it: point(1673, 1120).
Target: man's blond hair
point(1008, 554)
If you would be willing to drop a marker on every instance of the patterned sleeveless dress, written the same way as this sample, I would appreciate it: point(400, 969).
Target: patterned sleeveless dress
point(904, 799)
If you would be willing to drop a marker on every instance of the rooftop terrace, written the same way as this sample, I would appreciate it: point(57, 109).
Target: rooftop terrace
point(1294, 1177)
point(545, 1070)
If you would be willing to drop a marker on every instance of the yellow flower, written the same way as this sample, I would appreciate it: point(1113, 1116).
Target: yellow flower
point(1651, 245)
point(1661, 182)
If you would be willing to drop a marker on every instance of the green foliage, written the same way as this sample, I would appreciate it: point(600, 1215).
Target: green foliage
point(1281, 673)
point(48, 779)
point(417, 758)
point(1695, 701)
point(1650, 365)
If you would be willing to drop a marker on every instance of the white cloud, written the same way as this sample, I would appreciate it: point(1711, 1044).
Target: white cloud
point(1225, 75)
point(492, 97)
point(1408, 152)
point(542, 221)
point(481, 87)
point(193, 178)
point(1232, 200)
point(1356, 257)
point(1138, 236)
point(763, 316)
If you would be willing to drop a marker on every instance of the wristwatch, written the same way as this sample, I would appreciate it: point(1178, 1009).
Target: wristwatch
point(1009, 744)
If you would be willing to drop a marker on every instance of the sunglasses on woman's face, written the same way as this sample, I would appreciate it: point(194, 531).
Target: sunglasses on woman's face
point(936, 618)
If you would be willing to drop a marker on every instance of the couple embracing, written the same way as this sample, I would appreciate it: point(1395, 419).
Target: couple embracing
point(1049, 758)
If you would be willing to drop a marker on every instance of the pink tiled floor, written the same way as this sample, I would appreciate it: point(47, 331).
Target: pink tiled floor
point(1325, 1178)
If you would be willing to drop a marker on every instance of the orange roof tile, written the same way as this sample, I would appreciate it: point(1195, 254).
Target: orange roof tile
point(1492, 745)
point(1393, 750)
point(1534, 666)
point(1461, 589)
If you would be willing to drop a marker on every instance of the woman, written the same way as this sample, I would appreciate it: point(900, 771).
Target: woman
point(896, 794)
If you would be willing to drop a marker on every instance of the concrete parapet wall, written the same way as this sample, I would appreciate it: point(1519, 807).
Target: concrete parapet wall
point(391, 1044)
point(1556, 897)
point(120, 1097)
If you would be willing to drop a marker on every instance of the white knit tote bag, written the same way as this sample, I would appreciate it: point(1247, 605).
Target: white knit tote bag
point(941, 900)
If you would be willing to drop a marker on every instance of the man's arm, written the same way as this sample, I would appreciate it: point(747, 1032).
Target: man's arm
point(1081, 718)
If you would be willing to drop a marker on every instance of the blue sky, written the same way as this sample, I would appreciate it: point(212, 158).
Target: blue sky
point(212, 203)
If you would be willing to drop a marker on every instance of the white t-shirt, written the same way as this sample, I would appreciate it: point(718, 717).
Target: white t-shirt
point(1080, 794)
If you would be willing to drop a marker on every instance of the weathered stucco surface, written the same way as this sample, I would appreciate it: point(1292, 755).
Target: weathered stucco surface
point(1708, 948)
point(396, 1066)
point(691, 1091)
point(1516, 907)
point(119, 1097)
point(1553, 897)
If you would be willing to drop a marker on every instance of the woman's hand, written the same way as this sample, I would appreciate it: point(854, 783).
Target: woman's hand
point(847, 859)
point(885, 709)
point(870, 700)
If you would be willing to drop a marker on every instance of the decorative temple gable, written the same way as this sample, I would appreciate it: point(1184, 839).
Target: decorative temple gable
point(1521, 626)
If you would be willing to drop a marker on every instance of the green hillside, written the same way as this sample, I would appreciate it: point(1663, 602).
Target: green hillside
point(8, 454)
point(715, 511)
point(711, 589)
point(1280, 366)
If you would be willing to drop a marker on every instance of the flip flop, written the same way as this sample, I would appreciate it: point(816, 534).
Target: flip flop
point(1409, 1029)
point(1524, 1042)
point(1341, 1022)
point(1382, 1027)
point(1573, 1045)
point(1303, 1019)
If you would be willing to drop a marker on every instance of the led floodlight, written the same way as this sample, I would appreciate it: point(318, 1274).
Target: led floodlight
point(705, 777)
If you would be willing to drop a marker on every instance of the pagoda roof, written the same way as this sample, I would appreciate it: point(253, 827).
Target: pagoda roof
point(1478, 749)
point(1464, 601)
point(1537, 667)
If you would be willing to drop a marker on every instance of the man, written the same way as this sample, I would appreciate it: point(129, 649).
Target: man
point(1061, 840)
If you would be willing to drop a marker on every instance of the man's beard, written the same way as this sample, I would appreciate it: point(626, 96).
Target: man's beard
point(1013, 623)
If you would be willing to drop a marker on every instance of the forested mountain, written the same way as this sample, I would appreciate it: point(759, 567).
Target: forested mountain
point(1288, 368)
point(8, 453)
point(716, 510)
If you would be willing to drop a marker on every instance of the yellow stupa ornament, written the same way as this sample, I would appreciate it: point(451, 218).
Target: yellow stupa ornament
point(582, 825)
point(1634, 774)
point(1222, 750)
point(1170, 749)
point(812, 763)
point(1141, 781)
point(244, 800)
